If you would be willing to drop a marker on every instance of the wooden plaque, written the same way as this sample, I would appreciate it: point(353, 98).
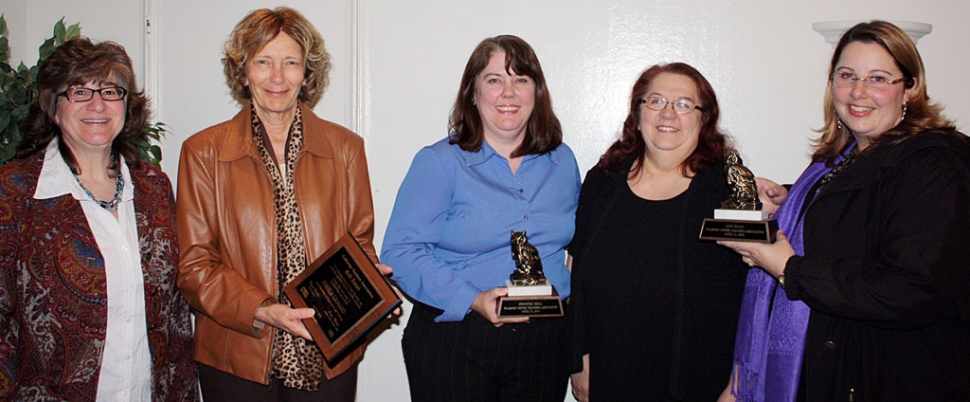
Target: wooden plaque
point(349, 294)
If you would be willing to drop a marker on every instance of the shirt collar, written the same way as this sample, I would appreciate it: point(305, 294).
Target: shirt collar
point(238, 142)
point(56, 178)
point(476, 158)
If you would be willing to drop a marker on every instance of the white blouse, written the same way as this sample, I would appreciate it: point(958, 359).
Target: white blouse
point(126, 361)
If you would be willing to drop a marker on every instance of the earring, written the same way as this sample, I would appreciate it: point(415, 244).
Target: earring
point(839, 124)
point(903, 117)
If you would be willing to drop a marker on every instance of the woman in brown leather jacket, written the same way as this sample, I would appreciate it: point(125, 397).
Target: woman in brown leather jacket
point(259, 196)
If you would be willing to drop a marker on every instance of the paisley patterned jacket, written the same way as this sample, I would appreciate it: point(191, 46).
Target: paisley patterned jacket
point(53, 291)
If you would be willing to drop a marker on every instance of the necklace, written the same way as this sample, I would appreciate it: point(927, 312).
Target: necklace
point(111, 205)
point(844, 163)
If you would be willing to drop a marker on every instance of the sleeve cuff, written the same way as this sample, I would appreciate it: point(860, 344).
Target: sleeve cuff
point(460, 305)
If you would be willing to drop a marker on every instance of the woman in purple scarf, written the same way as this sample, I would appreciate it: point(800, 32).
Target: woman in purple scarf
point(866, 294)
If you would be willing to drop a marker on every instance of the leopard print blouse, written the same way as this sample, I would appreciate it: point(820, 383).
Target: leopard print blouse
point(297, 363)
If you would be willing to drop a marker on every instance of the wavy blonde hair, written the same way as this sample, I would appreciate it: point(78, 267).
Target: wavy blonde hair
point(260, 27)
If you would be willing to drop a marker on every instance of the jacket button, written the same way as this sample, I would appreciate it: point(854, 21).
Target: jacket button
point(830, 344)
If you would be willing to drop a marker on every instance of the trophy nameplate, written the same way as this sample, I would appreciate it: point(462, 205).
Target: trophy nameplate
point(348, 293)
point(728, 225)
point(529, 293)
point(740, 217)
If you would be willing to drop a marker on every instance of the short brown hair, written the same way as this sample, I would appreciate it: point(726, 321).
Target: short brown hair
point(77, 62)
point(543, 132)
point(921, 114)
point(711, 143)
point(260, 27)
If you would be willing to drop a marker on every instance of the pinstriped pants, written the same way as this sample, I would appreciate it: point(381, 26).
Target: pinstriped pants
point(471, 360)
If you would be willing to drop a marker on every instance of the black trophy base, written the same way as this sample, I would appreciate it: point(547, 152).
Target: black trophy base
point(761, 231)
point(530, 306)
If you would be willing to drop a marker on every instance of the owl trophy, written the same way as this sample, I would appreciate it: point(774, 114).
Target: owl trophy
point(530, 294)
point(740, 217)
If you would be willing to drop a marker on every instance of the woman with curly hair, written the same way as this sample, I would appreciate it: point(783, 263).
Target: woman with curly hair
point(89, 308)
point(259, 197)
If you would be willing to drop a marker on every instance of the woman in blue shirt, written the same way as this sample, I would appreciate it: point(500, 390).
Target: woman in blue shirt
point(503, 168)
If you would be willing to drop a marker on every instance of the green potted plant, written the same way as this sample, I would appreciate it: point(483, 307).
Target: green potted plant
point(18, 89)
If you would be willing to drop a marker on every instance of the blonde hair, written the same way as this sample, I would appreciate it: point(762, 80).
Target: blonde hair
point(260, 27)
point(921, 114)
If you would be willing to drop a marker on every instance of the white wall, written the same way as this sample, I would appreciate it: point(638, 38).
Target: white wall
point(29, 22)
point(397, 65)
point(192, 88)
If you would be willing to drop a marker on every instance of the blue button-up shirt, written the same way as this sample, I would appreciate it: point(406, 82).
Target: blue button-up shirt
point(449, 235)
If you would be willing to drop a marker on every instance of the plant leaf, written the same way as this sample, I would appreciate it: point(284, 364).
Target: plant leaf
point(157, 152)
point(4, 49)
point(45, 50)
point(73, 31)
point(59, 31)
point(8, 153)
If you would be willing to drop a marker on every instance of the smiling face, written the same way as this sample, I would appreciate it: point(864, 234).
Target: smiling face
point(505, 102)
point(274, 76)
point(90, 126)
point(867, 113)
point(665, 130)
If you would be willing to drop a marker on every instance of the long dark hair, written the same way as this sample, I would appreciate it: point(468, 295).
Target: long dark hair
point(710, 145)
point(543, 132)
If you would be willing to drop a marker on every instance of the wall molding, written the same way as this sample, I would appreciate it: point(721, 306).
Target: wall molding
point(832, 30)
point(361, 89)
point(152, 68)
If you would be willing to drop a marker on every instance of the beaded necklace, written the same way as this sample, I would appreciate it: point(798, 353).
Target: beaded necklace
point(111, 205)
point(844, 163)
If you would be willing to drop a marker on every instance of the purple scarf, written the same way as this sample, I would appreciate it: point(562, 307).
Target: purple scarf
point(770, 342)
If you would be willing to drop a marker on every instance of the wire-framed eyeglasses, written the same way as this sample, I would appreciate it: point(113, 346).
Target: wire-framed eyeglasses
point(681, 106)
point(874, 82)
point(81, 94)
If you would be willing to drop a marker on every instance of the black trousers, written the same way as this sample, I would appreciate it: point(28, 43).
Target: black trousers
point(220, 386)
point(471, 360)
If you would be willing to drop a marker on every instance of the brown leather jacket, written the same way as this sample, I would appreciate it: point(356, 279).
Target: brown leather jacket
point(227, 231)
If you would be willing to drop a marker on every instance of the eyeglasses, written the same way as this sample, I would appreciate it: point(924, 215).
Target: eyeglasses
point(681, 106)
point(874, 82)
point(81, 94)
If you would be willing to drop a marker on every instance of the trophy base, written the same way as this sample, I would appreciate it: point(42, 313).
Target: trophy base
point(530, 301)
point(525, 283)
point(742, 214)
point(738, 225)
point(517, 290)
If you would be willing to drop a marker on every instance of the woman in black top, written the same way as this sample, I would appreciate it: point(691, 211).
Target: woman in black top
point(871, 270)
point(655, 309)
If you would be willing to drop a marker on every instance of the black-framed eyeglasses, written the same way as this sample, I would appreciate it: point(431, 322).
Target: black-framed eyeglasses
point(81, 94)
point(874, 82)
point(681, 106)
